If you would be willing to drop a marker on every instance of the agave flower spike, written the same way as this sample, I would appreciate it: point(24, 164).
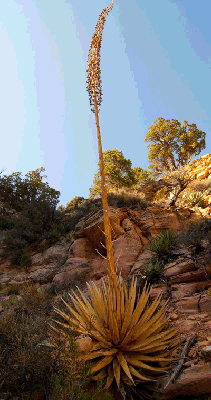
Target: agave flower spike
point(94, 89)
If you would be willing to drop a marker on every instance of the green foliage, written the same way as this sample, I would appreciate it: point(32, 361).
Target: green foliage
point(73, 375)
point(201, 185)
point(153, 270)
point(177, 181)
point(17, 192)
point(197, 231)
point(195, 198)
point(76, 202)
point(172, 145)
point(35, 203)
point(118, 174)
point(162, 244)
point(24, 365)
point(127, 198)
point(25, 260)
point(6, 223)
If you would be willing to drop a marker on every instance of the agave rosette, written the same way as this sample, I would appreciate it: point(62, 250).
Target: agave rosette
point(131, 339)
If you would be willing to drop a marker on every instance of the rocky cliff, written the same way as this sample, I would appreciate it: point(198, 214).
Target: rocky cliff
point(80, 256)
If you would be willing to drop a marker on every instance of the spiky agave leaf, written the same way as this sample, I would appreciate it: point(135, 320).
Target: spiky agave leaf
point(131, 340)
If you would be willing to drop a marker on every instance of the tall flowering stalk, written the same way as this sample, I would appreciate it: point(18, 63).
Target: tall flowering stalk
point(94, 89)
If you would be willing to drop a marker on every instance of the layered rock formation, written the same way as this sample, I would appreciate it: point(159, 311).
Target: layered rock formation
point(80, 256)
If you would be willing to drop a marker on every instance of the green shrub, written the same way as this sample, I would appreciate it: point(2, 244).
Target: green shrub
point(75, 203)
point(10, 288)
point(194, 199)
point(197, 231)
point(27, 363)
point(72, 375)
point(127, 198)
point(24, 366)
point(25, 260)
point(153, 270)
point(6, 223)
point(163, 243)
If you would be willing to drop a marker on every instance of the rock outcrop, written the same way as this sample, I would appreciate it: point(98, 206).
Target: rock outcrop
point(80, 256)
point(201, 168)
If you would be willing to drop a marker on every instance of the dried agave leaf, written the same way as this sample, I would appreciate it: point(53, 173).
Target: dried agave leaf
point(119, 357)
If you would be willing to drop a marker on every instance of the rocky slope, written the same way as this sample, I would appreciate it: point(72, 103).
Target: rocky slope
point(79, 256)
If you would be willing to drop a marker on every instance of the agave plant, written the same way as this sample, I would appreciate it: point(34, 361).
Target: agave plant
point(129, 337)
point(196, 198)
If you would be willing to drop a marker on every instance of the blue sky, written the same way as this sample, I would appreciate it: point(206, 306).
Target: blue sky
point(155, 62)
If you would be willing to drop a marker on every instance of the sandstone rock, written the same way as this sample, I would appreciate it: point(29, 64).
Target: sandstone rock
point(143, 239)
point(142, 259)
point(205, 303)
point(190, 304)
point(194, 381)
point(79, 271)
point(206, 353)
point(196, 276)
point(126, 251)
point(187, 326)
point(53, 254)
point(92, 227)
point(177, 268)
point(174, 316)
point(42, 275)
point(85, 344)
point(187, 289)
point(82, 248)
point(158, 290)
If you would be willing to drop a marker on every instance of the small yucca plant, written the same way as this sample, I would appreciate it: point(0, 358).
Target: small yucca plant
point(162, 244)
point(194, 199)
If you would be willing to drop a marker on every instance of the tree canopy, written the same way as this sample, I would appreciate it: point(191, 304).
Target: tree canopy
point(172, 145)
point(17, 192)
point(118, 174)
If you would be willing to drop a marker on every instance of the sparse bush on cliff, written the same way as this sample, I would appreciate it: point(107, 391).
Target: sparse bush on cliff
point(162, 244)
point(201, 185)
point(195, 198)
point(153, 270)
point(197, 234)
point(127, 198)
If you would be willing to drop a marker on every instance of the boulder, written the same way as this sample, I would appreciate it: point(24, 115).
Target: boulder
point(179, 267)
point(142, 259)
point(199, 275)
point(78, 271)
point(187, 289)
point(82, 248)
point(189, 304)
point(53, 254)
point(126, 250)
point(206, 353)
point(84, 343)
point(156, 219)
point(194, 381)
